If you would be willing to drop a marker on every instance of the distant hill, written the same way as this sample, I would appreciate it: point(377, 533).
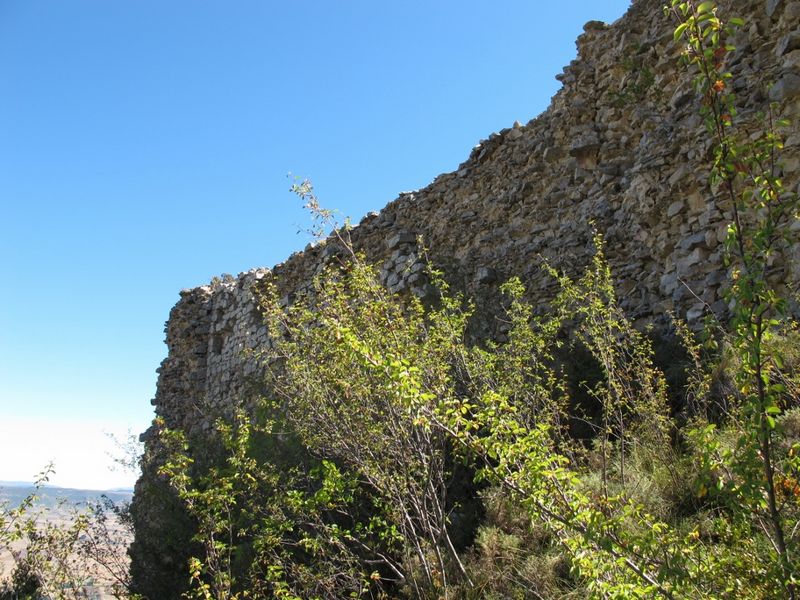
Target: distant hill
point(15, 492)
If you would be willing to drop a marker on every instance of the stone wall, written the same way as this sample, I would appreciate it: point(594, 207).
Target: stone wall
point(621, 149)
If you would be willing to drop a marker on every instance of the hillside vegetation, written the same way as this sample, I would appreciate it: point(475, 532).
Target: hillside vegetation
point(572, 456)
point(396, 457)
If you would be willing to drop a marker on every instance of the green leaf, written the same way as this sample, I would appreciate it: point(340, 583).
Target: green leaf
point(705, 7)
point(679, 31)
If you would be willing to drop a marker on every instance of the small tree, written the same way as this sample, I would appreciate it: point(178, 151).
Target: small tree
point(359, 372)
point(746, 171)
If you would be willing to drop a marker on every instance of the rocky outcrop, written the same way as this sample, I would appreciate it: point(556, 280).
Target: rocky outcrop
point(620, 149)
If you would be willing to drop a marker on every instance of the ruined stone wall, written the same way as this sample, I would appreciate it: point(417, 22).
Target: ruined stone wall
point(621, 149)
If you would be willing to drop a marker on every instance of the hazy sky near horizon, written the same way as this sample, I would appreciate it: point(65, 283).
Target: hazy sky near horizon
point(145, 146)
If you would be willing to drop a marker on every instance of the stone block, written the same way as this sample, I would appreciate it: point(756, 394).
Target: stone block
point(674, 208)
point(486, 275)
point(693, 240)
point(787, 43)
point(786, 88)
point(400, 239)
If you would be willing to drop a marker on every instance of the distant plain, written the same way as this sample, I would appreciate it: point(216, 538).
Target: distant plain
point(59, 506)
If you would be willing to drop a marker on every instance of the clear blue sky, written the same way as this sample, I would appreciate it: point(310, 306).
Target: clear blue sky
point(145, 146)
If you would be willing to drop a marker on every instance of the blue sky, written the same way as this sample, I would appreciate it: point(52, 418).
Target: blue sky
point(145, 146)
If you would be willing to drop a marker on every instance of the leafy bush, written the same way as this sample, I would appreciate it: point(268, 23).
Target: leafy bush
point(57, 559)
